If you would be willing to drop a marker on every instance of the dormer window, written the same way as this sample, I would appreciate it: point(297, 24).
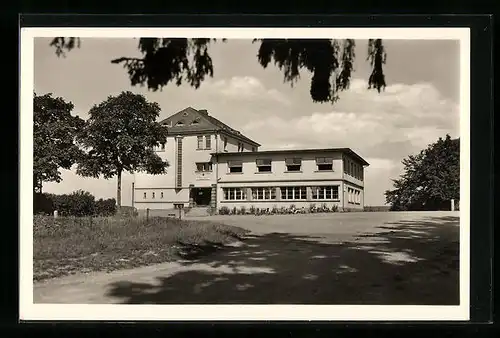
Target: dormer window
point(324, 163)
point(180, 123)
point(195, 122)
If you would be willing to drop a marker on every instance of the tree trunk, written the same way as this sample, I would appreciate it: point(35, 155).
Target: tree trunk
point(119, 191)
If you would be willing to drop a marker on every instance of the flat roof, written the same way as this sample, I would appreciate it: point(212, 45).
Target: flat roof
point(347, 151)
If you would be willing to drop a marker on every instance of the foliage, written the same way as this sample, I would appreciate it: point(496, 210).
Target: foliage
point(119, 136)
point(105, 207)
point(54, 131)
point(330, 61)
point(430, 179)
point(224, 211)
point(79, 203)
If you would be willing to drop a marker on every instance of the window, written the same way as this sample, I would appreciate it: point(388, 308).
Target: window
point(293, 193)
point(204, 166)
point(262, 193)
point(352, 169)
point(225, 143)
point(293, 164)
point(161, 194)
point(254, 149)
point(324, 163)
point(180, 124)
point(153, 195)
point(144, 195)
point(240, 146)
point(263, 165)
point(350, 193)
point(235, 166)
point(200, 142)
point(208, 142)
point(232, 194)
point(196, 121)
point(325, 193)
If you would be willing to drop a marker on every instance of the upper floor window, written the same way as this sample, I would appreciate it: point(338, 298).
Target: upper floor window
point(263, 193)
point(225, 143)
point(180, 123)
point(200, 142)
point(325, 193)
point(254, 149)
point(161, 194)
point(264, 165)
point(234, 194)
point(240, 146)
point(324, 163)
point(293, 193)
point(293, 164)
point(235, 166)
point(352, 169)
point(204, 166)
point(208, 142)
point(144, 195)
point(153, 195)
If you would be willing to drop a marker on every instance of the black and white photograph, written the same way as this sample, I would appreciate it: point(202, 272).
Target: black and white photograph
point(245, 174)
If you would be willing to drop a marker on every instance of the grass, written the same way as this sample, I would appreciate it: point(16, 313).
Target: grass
point(69, 245)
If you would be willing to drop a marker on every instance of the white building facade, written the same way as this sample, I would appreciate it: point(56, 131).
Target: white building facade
point(213, 165)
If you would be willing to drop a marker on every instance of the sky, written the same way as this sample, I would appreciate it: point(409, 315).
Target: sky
point(419, 105)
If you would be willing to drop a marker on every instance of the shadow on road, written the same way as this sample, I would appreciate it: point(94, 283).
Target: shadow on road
point(401, 263)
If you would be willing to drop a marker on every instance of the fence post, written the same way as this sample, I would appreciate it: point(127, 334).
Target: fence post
point(147, 214)
point(452, 205)
point(55, 214)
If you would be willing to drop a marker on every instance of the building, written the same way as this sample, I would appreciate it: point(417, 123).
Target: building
point(211, 164)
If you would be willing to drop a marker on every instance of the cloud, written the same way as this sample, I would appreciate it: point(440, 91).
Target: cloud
point(246, 88)
point(384, 128)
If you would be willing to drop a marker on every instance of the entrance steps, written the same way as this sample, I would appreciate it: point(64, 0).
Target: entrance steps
point(198, 211)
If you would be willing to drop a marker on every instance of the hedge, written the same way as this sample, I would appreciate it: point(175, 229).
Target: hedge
point(79, 203)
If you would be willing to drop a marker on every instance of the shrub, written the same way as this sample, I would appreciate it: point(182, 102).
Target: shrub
point(234, 212)
point(275, 209)
point(79, 203)
point(211, 211)
point(243, 210)
point(252, 210)
point(283, 210)
point(43, 204)
point(312, 207)
point(224, 211)
point(106, 207)
point(335, 208)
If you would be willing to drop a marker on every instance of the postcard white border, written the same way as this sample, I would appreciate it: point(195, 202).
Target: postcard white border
point(30, 311)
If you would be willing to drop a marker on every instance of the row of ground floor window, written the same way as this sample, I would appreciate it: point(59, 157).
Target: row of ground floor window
point(318, 193)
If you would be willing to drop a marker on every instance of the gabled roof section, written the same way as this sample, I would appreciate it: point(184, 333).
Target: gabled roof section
point(190, 120)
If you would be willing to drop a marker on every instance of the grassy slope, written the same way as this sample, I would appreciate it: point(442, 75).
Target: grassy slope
point(70, 245)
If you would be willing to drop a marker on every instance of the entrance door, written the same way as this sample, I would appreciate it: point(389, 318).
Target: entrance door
point(201, 196)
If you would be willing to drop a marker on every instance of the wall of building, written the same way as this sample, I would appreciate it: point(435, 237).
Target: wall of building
point(353, 202)
point(278, 202)
point(279, 173)
point(353, 171)
point(232, 144)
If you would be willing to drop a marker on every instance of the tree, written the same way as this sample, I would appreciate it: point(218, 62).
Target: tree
point(54, 132)
point(119, 136)
point(431, 179)
point(330, 62)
